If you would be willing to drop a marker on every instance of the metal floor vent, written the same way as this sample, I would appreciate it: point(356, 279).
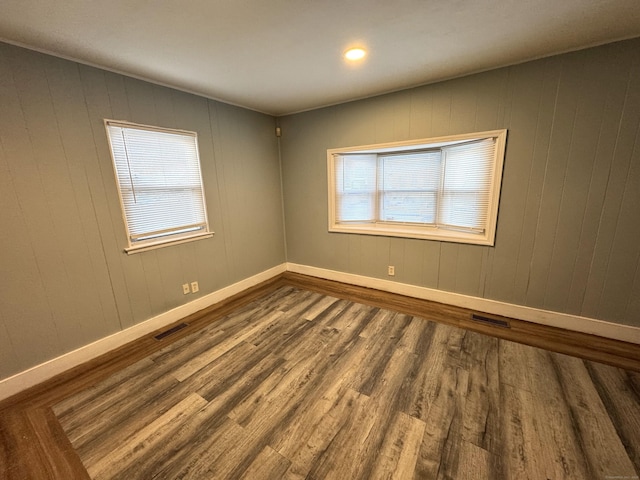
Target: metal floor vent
point(489, 320)
point(171, 331)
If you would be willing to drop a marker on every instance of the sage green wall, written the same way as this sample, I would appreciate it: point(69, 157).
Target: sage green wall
point(568, 236)
point(65, 280)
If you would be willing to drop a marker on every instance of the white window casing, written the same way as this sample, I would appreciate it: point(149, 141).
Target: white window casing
point(444, 188)
point(159, 183)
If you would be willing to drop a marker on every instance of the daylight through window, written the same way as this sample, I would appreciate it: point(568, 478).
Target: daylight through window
point(444, 188)
point(160, 184)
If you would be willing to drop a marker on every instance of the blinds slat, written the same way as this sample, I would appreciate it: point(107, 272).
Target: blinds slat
point(158, 173)
point(448, 186)
point(466, 186)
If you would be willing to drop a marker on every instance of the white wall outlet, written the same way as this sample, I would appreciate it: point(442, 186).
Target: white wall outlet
point(185, 288)
point(392, 270)
point(194, 287)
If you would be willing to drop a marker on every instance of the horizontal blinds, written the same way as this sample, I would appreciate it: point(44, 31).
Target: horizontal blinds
point(466, 184)
point(355, 179)
point(408, 186)
point(448, 187)
point(158, 173)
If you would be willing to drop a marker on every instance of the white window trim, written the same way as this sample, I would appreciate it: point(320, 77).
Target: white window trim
point(161, 242)
point(427, 232)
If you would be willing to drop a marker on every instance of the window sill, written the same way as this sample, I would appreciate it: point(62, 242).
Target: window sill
point(166, 243)
point(424, 233)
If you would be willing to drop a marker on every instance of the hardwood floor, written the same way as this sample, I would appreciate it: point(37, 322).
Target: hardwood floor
point(293, 383)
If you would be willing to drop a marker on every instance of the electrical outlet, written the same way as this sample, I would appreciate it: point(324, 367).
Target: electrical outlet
point(185, 288)
point(194, 287)
point(392, 270)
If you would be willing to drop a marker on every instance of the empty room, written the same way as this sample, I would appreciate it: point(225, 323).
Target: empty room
point(320, 240)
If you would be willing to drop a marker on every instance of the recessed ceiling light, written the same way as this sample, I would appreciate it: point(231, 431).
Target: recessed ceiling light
point(355, 54)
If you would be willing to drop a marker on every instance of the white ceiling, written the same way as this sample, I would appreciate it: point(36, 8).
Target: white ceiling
point(284, 56)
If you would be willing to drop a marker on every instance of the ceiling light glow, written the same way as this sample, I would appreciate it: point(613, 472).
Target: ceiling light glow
point(355, 54)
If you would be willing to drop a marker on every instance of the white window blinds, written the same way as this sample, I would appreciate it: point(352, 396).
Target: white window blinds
point(356, 188)
point(466, 185)
point(421, 190)
point(408, 187)
point(160, 184)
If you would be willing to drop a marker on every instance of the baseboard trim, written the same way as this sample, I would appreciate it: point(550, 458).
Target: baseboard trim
point(575, 323)
point(49, 369)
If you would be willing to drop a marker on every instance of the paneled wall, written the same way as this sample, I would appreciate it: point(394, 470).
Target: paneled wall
point(64, 278)
point(568, 236)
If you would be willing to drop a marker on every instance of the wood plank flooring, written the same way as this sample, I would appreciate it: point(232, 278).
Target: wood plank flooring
point(301, 385)
point(282, 382)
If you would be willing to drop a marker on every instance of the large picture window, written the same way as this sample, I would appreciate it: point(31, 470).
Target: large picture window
point(160, 184)
point(444, 188)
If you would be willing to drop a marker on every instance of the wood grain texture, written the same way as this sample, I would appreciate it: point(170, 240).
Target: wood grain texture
point(604, 350)
point(294, 383)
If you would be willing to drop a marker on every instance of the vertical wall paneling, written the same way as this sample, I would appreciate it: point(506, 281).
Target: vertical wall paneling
point(534, 172)
point(91, 282)
point(411, 262)
point(610, 211)
point(575, 191)
point(633, 307)
point(55, 219)
point(625, 198)
point(96, 93)
point(564, 116)
point(31, 227)
point(66, 280)
point(431, 263)
point(8, 358)
point(525, 86)
point(222, 223)
point(615, 71)
point(567, 225)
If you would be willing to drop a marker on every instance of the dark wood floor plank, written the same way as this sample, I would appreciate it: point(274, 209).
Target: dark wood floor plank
point(333, 461)
point(96, 392)
point(400, 448)
point(196, 437)
point(480, 357)
point(414, 332)
point(591, 421)
point(295, 384)
point(440, 449)
point(614, 352)
point(268, 465)
point(34, 446)
point(304, 441)
point(101, 415)
point(539, 419)
point(186, 369)
point(476, 463)
point(152, 436)
point(324, 303)
point(435, 356)
point(620, 394)
point(193, 452)
point(520, 454)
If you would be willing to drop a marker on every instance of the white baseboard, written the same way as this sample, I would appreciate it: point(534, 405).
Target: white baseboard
point(39, 373)
point(575, 323)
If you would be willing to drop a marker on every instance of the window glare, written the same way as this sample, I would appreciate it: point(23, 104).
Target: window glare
point(445, 188)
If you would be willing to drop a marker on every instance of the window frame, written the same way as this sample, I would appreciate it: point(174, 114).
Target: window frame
point(421, 231)
point(159, 240)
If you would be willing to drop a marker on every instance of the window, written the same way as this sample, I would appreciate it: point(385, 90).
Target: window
point(443, 188)
point(160, 184)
